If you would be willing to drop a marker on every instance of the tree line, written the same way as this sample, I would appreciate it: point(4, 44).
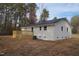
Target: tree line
point(75, 24)
point(15, 15)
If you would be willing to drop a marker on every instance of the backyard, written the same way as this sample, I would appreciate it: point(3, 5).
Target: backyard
point(24, 45)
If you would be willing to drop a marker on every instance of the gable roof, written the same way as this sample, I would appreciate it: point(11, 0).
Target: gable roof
point(49, 22)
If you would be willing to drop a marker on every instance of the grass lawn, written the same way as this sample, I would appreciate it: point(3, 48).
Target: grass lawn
point(26, 46)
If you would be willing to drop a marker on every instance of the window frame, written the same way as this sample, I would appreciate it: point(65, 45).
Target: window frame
point(45, 27)
point(67, 29)
point(32, 29)
point(61, 28)
point(40, 28)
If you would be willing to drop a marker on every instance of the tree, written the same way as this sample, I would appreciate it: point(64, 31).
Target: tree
point(32, 7)
point(44, 15)
point(23, 10)
point(19, 15)
point(14, 13)
point(6, 13)
point(75, 23)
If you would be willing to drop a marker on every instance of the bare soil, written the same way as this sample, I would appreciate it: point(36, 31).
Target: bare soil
point(26, 46)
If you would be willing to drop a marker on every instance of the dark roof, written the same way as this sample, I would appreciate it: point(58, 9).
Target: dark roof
point(48, 22)
point(51, 21)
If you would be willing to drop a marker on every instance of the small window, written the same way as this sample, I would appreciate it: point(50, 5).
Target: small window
point(39, 36)
point(32, 29)
point(45, 27)
point(57, 37)
point(44, 36)
point(40, 28)
point(67, 29)
point(62, 28)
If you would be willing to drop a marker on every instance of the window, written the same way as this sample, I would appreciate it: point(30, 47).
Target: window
point(32, 29)
point(45, 27)
point(57, 37)
point(40, 28)
point(44, 36)
point(62, 28)
point(39, 36)
point(67, 29)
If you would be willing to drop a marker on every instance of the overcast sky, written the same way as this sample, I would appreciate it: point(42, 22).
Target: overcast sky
point(59, 10)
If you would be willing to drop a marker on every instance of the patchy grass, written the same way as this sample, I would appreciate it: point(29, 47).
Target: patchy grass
point(26, 46)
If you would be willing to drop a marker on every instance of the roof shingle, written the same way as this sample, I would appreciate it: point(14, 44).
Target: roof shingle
point(48, 22)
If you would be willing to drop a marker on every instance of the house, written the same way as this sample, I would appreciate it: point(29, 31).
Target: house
point(56, 29)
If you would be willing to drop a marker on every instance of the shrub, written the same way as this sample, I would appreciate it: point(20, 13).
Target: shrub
point(74, 30)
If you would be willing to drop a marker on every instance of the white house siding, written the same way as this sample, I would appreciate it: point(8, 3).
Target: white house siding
point(62, 34)
point(53, 32)
point(44, 34)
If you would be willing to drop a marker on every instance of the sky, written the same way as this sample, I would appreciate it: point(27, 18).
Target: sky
point(59, 10)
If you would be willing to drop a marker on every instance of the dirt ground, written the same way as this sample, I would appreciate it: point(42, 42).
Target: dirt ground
point(26, 46)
